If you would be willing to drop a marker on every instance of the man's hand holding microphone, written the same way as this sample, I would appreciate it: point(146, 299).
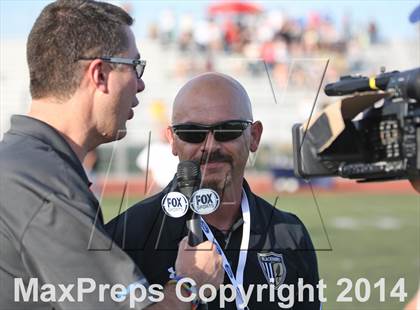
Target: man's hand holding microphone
point(197, 259)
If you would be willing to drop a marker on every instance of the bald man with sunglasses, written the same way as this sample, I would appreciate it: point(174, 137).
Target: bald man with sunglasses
point(212, 124)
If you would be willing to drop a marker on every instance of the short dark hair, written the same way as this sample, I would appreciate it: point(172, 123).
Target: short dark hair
point(66, 30)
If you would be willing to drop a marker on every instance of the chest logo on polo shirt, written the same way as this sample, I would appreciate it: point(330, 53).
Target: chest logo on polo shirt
point(273, 267)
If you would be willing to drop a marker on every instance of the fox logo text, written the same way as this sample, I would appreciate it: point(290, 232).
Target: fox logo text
point(175, 204)
point(204, 201)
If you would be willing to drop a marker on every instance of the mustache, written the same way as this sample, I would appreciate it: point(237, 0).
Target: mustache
point(212, 157)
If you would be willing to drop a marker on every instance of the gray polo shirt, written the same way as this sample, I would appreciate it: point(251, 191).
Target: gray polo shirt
point(51, 228)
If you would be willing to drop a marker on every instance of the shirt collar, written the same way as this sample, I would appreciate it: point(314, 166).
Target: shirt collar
point(40, 130)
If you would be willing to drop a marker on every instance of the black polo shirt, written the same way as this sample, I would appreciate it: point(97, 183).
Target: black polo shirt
point(151, 239)
point(51, 227)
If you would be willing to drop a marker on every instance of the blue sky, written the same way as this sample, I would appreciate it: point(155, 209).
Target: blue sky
point(17, 16)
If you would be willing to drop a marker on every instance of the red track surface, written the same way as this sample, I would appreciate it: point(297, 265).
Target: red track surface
point(263, 185)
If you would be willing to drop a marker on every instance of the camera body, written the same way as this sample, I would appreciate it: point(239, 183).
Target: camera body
point(381, 143)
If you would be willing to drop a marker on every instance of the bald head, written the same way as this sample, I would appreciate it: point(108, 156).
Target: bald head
point(209, 98)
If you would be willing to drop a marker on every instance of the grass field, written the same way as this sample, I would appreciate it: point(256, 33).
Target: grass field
point(356, 235)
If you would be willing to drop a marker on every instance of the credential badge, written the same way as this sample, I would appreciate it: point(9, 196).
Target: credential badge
point(273, 267)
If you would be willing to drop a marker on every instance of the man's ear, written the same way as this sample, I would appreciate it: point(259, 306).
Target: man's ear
point(256, 132)
point(98, 74)
point(170, 137)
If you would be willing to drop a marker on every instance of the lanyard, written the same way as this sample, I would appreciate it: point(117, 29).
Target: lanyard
point(246, 231)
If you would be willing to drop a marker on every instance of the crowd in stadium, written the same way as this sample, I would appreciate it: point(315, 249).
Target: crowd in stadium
point(273, 36)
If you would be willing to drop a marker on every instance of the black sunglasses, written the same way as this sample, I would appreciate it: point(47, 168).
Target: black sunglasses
point(223, 131)
point(138, 64)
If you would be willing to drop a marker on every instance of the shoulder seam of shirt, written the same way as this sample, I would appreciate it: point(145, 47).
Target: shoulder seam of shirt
point(44, 201)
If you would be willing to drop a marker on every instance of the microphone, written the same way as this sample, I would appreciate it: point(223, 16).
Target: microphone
point(188, 179)
point(405, 83)
point(350, 84)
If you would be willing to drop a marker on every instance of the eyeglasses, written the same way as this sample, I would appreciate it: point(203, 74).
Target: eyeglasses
point(137, 64)
point(223, 131)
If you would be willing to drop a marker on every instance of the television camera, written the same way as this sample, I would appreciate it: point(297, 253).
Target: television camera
point(372, 135)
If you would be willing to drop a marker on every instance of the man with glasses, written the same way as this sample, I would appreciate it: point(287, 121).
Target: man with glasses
point(85, 72)
point(212, 124)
